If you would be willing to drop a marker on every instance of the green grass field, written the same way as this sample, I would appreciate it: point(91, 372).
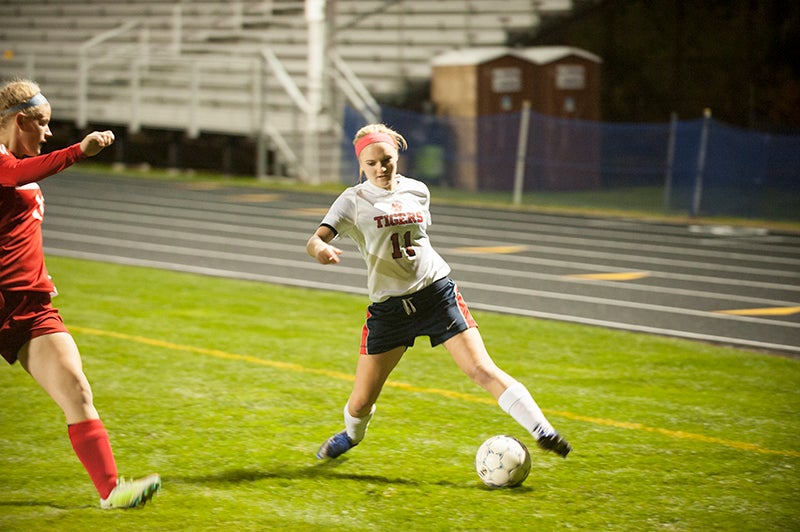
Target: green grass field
point(227, 388)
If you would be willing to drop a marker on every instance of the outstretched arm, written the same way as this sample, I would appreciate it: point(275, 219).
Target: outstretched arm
point(17, 172)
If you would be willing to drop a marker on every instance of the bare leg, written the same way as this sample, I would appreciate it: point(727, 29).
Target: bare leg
point(469, 352)
point(371, 374)
point(55, 364)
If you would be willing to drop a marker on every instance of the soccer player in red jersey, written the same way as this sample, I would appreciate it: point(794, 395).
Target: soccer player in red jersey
point(410, 291)
point(31, 329)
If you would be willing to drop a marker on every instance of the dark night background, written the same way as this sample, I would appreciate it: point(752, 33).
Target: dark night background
point(740, 58)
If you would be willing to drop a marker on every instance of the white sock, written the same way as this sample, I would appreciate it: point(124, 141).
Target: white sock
point(356, 427)
point(519, 404)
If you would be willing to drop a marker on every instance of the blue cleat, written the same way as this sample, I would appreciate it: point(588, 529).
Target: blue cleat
point(336, 445)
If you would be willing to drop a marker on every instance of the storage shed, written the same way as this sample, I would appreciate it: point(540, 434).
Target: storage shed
point(558, 81)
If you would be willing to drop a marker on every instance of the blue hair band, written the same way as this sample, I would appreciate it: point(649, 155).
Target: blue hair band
point(33, 101)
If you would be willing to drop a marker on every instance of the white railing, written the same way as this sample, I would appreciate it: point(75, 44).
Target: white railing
point(121, 79)
point(84, 64)
point(352, 87)
point(284, 78)
point(124, 78)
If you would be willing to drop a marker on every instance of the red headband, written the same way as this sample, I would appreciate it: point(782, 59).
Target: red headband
point(372, 138)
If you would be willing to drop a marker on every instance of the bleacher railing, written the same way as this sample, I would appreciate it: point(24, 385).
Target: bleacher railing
point(123, 79)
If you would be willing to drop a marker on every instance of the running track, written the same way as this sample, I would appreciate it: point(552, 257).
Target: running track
point(737, 287)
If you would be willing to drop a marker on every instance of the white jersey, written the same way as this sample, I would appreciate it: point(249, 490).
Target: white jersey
point(390, 230)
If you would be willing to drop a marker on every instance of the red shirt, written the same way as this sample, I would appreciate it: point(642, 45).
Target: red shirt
point(21, 214)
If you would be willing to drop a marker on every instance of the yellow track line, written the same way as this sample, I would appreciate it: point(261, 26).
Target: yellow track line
point(491, 250)
point(769, 311)
point(433, 391)
point(254, 198)
point(617, 276)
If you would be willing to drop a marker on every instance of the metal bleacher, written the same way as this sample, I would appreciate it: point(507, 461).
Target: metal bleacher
point(238, 67)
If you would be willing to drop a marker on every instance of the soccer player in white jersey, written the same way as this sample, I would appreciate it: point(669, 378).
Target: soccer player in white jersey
point(411, 295)
point(31, 328)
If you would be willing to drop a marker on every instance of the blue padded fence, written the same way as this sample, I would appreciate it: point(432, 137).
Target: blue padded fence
point(705, 167)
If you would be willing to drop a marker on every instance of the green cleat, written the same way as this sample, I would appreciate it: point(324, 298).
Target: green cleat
point(132, 493)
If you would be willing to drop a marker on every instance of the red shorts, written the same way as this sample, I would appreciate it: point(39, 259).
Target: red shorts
point(23, 317)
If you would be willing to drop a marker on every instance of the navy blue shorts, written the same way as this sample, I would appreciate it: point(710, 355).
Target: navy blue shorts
point(437, 311)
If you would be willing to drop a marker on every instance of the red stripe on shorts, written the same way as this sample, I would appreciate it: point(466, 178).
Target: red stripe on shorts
point(364, 335)
point(462, 307)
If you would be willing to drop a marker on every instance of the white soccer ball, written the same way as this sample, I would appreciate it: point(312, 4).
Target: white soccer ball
point(502, 462)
